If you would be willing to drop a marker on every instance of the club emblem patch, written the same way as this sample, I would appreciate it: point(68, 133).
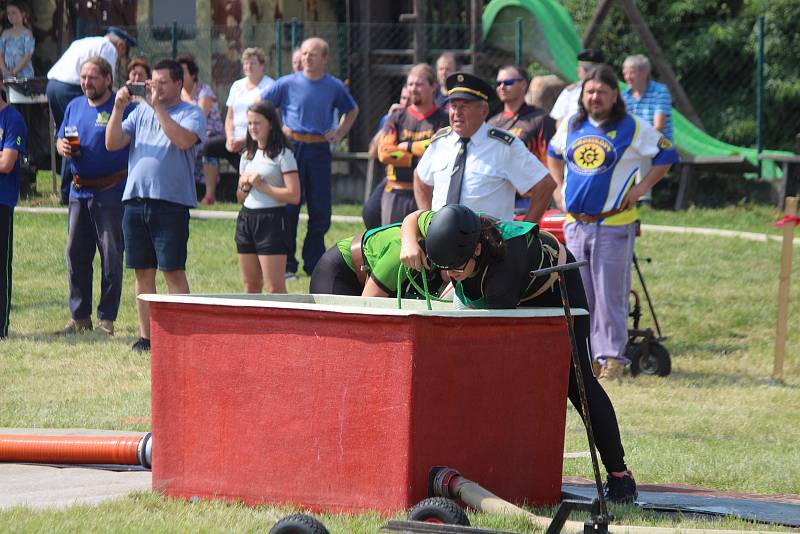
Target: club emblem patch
point(591, 155)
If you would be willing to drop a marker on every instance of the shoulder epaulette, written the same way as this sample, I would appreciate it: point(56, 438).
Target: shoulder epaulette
point(441, 133)
point(501, 135)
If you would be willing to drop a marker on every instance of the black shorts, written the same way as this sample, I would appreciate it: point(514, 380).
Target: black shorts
point(262, 231)
point(332, 276)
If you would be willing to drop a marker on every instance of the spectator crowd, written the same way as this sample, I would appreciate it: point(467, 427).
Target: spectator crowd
point(135, 158)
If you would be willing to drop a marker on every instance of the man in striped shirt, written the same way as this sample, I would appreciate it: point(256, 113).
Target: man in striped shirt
point(648, 100)
point(645, 98)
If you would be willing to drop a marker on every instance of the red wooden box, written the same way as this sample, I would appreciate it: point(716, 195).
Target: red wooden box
point(343, 403)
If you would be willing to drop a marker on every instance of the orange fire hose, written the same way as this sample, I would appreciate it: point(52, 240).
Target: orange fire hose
point(118, 450)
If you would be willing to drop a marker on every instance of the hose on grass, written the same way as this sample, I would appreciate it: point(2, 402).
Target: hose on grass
point(450, 484)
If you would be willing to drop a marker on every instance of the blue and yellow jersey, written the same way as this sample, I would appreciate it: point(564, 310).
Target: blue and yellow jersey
point(601, 163)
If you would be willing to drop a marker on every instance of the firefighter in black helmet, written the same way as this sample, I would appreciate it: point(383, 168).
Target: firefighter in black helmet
point(489, 262)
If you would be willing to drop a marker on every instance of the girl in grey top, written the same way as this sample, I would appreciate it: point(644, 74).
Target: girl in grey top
point(268, 180)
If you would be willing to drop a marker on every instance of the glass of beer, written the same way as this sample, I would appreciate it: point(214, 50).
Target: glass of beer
point(71, 135)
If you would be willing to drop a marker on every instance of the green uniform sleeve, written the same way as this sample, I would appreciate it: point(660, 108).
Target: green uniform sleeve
point(344, 248)
point(424, 222)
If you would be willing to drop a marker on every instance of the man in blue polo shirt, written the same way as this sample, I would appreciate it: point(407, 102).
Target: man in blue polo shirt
point(307, 100)
point(164, 134)
point(95, 199)
point(12, 144)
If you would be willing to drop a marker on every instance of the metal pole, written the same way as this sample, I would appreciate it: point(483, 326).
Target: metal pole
point(576, 363)
point(294, 33)
point(174, 39)
point(278, 58)
point(518, 47)
point(760, 90)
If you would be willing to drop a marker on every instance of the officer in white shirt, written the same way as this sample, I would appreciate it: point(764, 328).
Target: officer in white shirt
point(474, 164)
point(567, 103)
point(64, 78)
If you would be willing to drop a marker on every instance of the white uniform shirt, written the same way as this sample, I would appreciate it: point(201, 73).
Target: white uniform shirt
point(271, 171)
point(567, 103)
point(240, 98)
point(68, 67)
point(494, 172)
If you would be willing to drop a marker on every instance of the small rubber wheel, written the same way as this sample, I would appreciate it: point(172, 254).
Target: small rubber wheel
point(439, 510)
point(633, 351)
point(298, 524)
point(652, 360)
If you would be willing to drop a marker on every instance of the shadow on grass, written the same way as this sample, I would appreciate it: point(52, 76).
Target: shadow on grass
point(75, 339)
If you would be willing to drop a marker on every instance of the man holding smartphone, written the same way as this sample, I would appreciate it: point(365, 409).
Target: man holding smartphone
point(164, 134)
point(95, 200)
point(137, 89)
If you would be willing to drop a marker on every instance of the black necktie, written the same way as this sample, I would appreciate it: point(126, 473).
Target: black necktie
point(457, 175)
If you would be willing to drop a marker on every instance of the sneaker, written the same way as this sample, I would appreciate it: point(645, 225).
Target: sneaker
point(104, 326)
point(75, 326)
point(613, 370)
point(289, 275)
point(620, 489)
point(142, 345)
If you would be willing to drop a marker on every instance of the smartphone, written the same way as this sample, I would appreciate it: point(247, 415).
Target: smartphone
point(136, 89)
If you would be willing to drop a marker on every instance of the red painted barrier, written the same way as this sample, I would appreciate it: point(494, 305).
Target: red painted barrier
point(553, 222)
point(348, 408)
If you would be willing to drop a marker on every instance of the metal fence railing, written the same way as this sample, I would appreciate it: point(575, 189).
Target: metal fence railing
point(718, 76)
point(716, 63)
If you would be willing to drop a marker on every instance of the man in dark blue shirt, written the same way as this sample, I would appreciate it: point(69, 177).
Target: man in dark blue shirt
point(307, 100)
point(95, 199)
point(12, 144)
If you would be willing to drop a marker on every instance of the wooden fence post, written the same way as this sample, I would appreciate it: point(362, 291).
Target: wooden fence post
point(783, 288)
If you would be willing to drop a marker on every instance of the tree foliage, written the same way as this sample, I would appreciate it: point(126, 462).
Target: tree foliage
point(713, 48)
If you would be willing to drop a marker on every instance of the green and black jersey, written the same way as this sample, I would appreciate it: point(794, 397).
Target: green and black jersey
point(381, 249)
point(507, 283)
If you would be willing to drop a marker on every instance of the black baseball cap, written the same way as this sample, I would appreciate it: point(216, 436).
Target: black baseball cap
point(467, 87)
point(590, 55)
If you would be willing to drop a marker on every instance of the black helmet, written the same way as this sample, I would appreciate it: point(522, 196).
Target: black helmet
point(453, 234)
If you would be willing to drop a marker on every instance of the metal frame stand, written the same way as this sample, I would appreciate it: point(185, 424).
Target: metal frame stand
point(598, 523)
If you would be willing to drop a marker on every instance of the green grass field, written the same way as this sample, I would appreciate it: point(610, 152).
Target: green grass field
point(717, 421)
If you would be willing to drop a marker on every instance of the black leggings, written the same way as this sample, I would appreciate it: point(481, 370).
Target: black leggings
point(332, 276)
point(6, 253)
point(601, 411)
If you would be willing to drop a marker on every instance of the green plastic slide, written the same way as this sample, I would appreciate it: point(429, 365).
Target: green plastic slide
point(549, 37)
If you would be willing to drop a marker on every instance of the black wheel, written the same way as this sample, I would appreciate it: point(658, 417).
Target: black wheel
point(298, 524)
point(651, 360)
point(439, 510)
point(632, 351)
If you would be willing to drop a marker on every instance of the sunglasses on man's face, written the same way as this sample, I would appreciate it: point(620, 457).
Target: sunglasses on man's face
point(452, 269)
point(508, 83)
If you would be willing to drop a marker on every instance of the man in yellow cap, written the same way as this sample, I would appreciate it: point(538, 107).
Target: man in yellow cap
point(474, 164)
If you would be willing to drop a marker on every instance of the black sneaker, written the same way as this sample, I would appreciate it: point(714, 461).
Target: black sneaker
point(620, 490)
point(142, 345)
